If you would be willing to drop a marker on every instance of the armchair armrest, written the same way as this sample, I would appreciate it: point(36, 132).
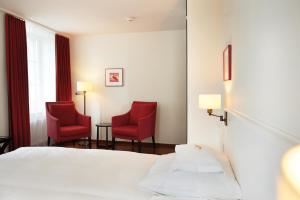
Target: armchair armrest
point(53, 125)
point(147, 125)
point(84, 120)
point(120, 120)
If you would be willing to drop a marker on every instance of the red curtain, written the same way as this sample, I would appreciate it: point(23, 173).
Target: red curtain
point(63, 69)
point(17, 81)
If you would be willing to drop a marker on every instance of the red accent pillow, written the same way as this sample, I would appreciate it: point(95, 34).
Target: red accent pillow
point(139, 110)
point(66, 113)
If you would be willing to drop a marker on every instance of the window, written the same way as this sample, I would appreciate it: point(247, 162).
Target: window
point(41, 78)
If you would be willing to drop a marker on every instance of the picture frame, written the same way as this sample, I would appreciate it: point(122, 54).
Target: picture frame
point(114, 77)
point(227, 63)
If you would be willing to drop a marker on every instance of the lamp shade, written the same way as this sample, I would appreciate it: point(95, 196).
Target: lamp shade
point(289, 182)
point(209, 101)
point(84, 86)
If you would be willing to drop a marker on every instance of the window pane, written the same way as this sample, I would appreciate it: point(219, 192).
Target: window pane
point(41, 77)
point(41, 66)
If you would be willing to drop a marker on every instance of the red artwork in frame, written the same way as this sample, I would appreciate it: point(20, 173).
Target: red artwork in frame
point(114, 77)
point(227, 68)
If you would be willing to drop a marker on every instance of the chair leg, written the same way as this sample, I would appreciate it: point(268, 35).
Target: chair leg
point(140, 147)
point(90, 142)
point(113, 143)
point(73, 143)
point(153, 142)
point(48, 141)
point(132, 145)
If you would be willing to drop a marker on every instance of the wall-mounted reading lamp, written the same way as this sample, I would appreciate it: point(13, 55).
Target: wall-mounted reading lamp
point(210, 102)
point(82, 88)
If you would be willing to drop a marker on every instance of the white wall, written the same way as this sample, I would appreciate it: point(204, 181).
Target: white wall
point(262, 98)
point(154, 68)
point(3, 86)
point(255, 151)
point(266, 60)
point(205, 48)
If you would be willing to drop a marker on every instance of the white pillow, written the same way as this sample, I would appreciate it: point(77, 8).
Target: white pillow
point(194, 158)
point(162, 180)
point(162, 165)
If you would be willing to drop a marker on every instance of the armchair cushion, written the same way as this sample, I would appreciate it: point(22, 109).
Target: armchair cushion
point(67, 131)
point(126, 130)
point(66, 113)
point(139, 110)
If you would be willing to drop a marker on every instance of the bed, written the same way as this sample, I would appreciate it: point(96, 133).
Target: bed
point(35, 173)
point(66, 173)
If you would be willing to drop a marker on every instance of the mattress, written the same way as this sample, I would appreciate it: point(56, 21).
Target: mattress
point(35, 173)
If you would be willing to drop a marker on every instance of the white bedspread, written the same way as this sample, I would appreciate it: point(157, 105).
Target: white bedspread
point(37, 173)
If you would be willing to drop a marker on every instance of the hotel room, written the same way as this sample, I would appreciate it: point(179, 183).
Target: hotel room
point(149, 100)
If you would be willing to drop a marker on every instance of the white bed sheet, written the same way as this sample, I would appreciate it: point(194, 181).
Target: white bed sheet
point(36, 173)
point(163, 197)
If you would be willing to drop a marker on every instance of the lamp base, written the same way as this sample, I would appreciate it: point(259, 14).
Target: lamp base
point(83, 143)
point(225, 118)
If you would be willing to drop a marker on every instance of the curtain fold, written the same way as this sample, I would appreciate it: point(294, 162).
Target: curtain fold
point(63, 69)
point(17, 81)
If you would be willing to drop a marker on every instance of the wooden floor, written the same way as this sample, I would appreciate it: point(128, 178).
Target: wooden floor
point(126, 146)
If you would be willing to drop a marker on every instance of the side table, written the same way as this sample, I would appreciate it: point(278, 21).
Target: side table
point(106, 126)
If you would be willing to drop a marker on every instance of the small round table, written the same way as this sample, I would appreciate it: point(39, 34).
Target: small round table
point(106, 126)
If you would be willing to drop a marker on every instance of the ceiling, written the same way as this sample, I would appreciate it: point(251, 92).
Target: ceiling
point(81, 17)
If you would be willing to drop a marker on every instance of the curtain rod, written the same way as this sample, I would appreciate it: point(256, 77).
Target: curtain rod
point(24, 19)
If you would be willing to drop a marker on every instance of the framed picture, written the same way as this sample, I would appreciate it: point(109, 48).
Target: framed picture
point(227, 63)
point(114, 77)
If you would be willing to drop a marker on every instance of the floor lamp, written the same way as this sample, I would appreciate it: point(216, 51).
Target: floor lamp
point(82, 88)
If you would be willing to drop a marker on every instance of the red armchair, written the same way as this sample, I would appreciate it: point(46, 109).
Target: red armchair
point(64, 123)
point(137, 124)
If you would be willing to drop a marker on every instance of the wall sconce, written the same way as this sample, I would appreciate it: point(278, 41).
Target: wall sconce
point(289, 181)
point(210, 102)
point(82, 88)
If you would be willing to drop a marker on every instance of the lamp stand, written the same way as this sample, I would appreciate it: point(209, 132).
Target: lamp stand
point(83, 143)
point(84, 104)
point(84, 100)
